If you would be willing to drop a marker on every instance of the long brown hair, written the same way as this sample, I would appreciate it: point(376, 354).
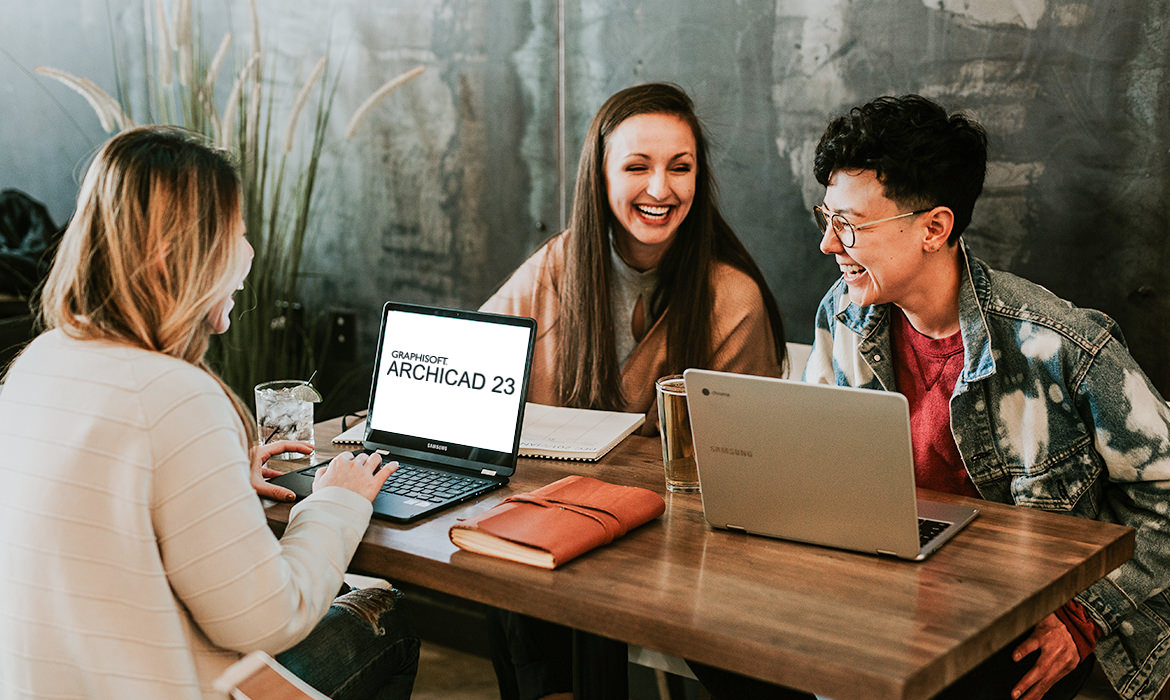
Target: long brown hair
point(587, 372)
point(150, 250)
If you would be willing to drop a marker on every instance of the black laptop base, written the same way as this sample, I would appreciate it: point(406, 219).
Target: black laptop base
point(403, 498)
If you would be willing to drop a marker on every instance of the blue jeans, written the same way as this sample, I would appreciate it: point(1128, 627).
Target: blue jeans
point(362, 649)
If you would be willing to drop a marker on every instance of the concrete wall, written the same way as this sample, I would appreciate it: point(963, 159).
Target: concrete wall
point(461, 173)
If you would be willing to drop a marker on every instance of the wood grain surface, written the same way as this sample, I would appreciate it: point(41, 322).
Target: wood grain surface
point(837, 623)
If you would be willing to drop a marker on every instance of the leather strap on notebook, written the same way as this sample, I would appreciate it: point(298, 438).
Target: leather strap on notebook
point(612, 525)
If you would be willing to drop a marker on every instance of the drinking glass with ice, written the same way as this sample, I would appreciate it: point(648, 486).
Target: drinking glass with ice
point(284, 411)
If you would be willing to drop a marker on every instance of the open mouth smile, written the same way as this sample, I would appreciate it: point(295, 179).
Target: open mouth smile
point(851, 271)
point(652, 212)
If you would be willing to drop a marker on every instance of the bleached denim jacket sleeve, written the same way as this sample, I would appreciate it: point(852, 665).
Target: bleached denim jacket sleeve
point(818, 369)
point(837, 353)
point(1078, 427)
point(1052, 412)
point(1131, 433)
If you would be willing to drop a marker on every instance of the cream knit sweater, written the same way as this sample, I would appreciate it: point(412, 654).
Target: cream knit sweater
point(135, 559)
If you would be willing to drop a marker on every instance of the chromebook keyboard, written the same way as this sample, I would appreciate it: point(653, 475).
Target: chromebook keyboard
point(929, 529)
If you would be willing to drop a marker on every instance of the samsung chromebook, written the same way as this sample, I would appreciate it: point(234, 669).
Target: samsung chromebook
point(447, 402)
point(814, 463)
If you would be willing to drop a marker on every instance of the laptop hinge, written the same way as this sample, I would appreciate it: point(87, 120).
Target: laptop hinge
point(737, 528)
point(883, 552)
point(488, 472)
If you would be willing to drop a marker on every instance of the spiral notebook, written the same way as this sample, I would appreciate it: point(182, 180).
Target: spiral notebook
point(553, 432)
point(557, 432)
point(354, 435)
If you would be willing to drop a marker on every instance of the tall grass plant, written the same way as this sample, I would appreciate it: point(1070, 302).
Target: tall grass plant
point(275, 334)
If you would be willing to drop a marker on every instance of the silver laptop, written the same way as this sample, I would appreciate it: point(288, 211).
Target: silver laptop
point(814, 463)
point(447, 402)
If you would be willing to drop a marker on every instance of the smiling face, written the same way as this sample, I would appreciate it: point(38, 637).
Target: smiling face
point(650, 169)
point(884, 263)
point(219, 318)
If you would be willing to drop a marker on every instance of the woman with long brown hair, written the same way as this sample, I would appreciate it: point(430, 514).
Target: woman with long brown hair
point(648, 280)
point(135, 558)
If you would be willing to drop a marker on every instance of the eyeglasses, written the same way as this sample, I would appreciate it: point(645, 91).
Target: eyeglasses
point(846, 231)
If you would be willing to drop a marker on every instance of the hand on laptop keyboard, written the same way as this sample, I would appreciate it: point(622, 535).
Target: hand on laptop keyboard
point(363, 474)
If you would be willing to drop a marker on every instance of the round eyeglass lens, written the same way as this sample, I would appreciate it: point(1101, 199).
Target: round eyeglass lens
point(840, 227)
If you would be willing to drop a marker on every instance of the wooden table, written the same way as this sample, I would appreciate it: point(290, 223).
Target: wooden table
point(836, 623)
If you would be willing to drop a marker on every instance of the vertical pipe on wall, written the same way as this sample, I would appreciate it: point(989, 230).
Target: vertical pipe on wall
point(562, 176)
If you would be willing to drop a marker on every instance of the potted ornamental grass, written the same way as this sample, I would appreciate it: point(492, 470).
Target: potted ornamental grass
point(278, 143)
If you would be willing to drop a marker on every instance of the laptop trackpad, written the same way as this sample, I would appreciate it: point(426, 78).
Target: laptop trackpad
point(298, 482)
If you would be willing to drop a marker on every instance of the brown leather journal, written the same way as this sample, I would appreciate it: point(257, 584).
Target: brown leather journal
point(555, 523)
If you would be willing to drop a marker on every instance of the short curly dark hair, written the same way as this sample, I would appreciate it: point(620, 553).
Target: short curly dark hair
point(922, 156)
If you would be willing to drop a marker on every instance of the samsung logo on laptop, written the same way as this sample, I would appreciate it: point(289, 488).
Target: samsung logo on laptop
point(733, 451)
point(433, 446)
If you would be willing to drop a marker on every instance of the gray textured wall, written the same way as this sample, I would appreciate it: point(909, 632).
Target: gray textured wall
point(461, 173)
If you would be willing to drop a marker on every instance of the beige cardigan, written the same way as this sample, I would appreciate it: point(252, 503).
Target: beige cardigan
point(742, 334)
point(135, 558)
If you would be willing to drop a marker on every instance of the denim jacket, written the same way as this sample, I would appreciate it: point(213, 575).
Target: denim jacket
point(1051, 412)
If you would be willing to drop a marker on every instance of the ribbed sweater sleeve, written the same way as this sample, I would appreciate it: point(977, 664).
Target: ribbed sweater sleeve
point(135, 558)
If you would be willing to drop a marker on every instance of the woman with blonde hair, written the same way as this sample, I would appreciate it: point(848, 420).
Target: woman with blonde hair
point(135, 558)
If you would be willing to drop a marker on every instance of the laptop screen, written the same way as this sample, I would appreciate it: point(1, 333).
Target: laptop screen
point(450, 385)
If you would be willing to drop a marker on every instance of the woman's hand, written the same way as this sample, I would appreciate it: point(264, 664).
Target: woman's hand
point(363, 474)
point(260, 456)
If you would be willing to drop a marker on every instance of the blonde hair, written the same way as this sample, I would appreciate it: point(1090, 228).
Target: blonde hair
point(150, 250)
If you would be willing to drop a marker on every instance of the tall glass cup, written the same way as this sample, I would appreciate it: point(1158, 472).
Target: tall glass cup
point(281, 415)
point(678, 448)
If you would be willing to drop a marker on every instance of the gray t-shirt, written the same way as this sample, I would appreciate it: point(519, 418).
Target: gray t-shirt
point(628, 285)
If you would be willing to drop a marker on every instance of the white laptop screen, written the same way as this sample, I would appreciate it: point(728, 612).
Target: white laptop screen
point(450, 383)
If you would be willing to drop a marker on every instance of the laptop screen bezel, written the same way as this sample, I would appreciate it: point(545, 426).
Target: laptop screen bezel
point(461, 456)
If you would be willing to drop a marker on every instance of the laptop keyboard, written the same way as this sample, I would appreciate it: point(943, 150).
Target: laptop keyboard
point(424, 484)
point(429, 484)
point(929, 529)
